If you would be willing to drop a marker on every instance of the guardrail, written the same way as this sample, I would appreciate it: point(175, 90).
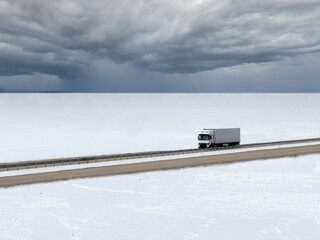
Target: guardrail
point(126, 156)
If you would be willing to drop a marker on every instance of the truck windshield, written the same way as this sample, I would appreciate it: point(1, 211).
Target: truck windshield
point(204, 137)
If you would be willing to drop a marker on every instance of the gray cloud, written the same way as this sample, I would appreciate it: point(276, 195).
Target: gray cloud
point(35, 82)
point(66, 37)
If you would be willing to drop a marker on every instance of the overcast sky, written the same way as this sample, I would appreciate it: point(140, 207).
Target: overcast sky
point(160, 45)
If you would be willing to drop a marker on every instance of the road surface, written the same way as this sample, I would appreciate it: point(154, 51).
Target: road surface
point(156, 165)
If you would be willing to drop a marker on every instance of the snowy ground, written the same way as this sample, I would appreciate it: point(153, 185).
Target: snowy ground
point(41, 126)
point(268, 199)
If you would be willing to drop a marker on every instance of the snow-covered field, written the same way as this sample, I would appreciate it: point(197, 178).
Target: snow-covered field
point(41, 126)
point(270, 199)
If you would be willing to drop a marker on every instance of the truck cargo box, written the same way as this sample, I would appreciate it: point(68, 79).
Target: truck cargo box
point(227, 135)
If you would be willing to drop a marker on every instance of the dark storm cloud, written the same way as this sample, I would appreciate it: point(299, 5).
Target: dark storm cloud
point(64, 37)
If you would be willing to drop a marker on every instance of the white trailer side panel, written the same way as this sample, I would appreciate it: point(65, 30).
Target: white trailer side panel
point(227, 135)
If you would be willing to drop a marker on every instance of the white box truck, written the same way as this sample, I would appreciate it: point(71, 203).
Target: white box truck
point(211, 137)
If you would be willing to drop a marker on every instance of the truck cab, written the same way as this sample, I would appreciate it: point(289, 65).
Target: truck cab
point(206, 138)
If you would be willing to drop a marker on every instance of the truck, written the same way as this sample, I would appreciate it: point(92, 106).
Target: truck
point(213, 137)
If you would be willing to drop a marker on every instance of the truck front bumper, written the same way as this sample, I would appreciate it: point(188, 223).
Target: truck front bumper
point(202, 145)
